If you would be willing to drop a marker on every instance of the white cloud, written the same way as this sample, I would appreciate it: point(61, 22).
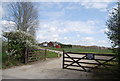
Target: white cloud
point(78, 35)
point(5, 22)
point(102, 5)
point(103, 43)
point(54, 15)
point(56, 30)
point(87, 27)
point(45, 5)
point(104, 30)
point(1, 11)
point(88, 38)
point(68, 26)
point(90, 41)
point(7, 25)
point(98, 5)
point(72, 6)
point(87, 41)
point(57, 0)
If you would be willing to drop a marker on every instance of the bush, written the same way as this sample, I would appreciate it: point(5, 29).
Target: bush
point(15, 43)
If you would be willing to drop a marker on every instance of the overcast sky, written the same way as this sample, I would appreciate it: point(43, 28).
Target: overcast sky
point(78, 23)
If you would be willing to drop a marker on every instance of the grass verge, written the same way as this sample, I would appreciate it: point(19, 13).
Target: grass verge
point(52, 54)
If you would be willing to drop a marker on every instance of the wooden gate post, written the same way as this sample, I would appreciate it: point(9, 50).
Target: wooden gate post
point(63, 59)
point(26, 56)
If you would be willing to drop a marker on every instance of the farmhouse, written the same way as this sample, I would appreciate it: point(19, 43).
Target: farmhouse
point(54, 44)
point(50, 44)
point(44, 44)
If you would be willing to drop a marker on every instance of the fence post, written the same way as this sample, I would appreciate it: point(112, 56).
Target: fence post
point(63, 59)
point(45, 53)
point(26, 55)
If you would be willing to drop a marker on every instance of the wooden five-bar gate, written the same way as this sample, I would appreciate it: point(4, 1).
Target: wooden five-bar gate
point(34, 54)
point(88, 61)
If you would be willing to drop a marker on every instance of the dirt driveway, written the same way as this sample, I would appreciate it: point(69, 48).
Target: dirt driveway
point(49, 69)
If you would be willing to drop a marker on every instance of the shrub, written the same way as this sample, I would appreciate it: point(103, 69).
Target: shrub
point(15, 43)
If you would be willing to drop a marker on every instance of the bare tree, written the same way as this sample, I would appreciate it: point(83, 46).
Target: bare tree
point(25, 16)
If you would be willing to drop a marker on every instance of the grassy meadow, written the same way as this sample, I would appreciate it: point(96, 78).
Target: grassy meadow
point(84, 50)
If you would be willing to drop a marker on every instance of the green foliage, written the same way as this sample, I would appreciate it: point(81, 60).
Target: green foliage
point(65, 46)
point(14, 45)
point(19, 37)
point(113, 25)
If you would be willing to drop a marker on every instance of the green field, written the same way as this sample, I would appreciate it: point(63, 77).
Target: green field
point(50, 54)
point(84, 50)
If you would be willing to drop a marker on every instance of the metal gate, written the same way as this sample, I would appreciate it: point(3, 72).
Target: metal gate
point(87, 61)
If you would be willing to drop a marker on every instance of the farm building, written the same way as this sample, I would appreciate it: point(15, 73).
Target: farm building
point(50, 44)
point(44, 44)
point(58, 46)
point(54, 44)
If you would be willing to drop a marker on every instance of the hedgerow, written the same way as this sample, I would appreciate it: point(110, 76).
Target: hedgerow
point(14, 44)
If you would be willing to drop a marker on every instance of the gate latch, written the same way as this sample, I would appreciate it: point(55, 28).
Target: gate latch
point(90, 56)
